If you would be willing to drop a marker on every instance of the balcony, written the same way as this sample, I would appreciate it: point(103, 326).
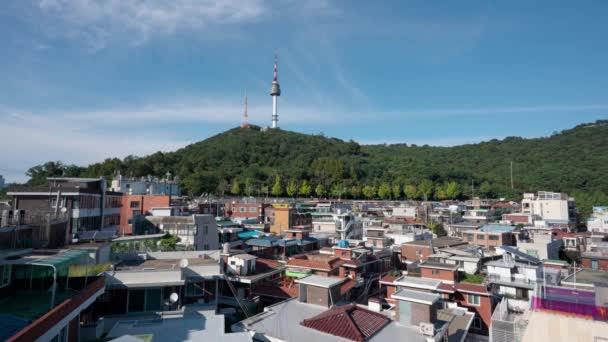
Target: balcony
point(515, 280)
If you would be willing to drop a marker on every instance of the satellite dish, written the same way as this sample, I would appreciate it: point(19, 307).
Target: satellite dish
point(183, 263)
point(173, 298)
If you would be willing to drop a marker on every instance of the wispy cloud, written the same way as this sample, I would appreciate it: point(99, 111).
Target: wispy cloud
point(96, 22)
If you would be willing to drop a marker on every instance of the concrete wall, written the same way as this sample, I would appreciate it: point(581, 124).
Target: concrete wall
point(559, 328)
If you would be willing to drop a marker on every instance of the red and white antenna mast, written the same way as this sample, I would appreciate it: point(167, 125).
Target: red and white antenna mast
point(245, 123)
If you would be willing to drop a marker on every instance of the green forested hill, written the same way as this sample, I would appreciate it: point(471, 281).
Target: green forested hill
point(574, 161)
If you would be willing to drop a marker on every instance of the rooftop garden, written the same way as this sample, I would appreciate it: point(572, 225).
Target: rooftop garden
point(473, 278)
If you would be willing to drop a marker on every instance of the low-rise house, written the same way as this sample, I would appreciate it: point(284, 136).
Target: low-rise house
point(513, 277)
point(594, 261)
point(196, 232)
point(598, 222)
point(540, 244)
point(421, 249)
point(282, 217)
point(491, 236)
point(477, 299)
point(272, 247)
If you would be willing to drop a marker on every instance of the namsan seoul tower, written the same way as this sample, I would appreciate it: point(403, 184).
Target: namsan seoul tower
point(275, 92)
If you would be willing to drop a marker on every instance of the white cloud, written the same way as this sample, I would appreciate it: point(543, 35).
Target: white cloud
point(98, 21)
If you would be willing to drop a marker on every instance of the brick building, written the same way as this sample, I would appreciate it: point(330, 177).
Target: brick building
point(594, 261)
point(134, 206)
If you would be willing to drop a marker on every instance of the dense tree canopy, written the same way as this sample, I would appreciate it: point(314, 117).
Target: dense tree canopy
point(574, 160)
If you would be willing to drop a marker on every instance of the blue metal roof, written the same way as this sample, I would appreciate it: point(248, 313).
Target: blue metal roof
point(248, 234)
point(266, 241)
point(497, 228)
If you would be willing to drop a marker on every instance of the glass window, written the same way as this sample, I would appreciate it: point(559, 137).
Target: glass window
point(481, 237)
point(594, 265)
point(473, 299)
point(476, 323)
point(493, 237)
point(435, 272)
point(135, 204)
point(242, 209)
point(153, 300)
point(253, 210)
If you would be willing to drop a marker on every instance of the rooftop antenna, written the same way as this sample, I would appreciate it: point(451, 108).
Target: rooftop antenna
point(245, 123)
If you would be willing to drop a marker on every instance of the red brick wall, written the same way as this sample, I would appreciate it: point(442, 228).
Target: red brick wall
point(409, 252)
point(390, 290)
point(146, 202)
point(43, 324)
point(343, 253)
point(446, 275)
point(235, 208)
point(483, 311)
point(601, 264)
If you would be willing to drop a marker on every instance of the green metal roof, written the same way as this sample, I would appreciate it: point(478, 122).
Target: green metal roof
point(62, 261)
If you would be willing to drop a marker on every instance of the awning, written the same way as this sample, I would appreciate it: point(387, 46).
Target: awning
point(62, 261)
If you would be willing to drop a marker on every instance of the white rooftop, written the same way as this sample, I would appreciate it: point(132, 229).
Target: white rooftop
point(320, 281)
point(416, 296)
point(417, 282)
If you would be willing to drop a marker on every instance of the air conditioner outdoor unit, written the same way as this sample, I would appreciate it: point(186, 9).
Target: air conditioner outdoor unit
point(427, 329)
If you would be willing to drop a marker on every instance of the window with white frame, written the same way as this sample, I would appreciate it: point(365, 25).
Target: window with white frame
point(473, 299)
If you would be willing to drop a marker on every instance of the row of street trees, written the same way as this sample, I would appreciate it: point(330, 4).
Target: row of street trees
point(424, 190)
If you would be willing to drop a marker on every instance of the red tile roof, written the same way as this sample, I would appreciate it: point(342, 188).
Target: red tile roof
point(316, 264)
point(265, 265)
point(348, 321)
point(347, 285)
point(474, 288)
point(444, 287)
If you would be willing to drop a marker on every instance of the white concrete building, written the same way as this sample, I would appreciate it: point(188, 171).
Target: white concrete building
point(549, 206)
point(147, 186)
point(407, 212)
point(540, 244)
point(598, 222)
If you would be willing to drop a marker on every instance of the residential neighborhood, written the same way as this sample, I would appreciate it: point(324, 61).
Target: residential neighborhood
point(391, 277)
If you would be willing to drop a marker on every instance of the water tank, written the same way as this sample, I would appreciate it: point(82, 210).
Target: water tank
point(343, 243)
point(226, 248)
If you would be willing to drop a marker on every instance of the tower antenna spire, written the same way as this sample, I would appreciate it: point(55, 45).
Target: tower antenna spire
point(275, 92)
point(245, 123)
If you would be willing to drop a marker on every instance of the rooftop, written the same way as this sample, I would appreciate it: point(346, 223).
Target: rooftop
point(586, 277)
point(349, 321)
point(492, 228)
point(441, 242)
point(282, 321)
point(320, 281)
point(194, 324)
point(416, 296)
point(417, 282)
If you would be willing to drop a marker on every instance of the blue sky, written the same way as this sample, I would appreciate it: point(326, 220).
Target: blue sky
point(83, 80)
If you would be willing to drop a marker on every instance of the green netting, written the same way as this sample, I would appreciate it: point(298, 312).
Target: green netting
point(62, 262)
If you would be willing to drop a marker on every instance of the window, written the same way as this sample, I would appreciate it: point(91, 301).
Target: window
point(468, 237)
point(135, 204)
point(242, 209)
point(253, 210)
point(477, 323)
point(435, 272)
point(481, 237)
point(473, 299)
point(594, 265)
point(493, 237)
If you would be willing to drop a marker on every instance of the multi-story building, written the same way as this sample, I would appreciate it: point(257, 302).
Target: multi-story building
point(246, 210)
point(196, 232)
point(87, 202)
point(540, 244)
point(135, 207)
point(553, 206)
point(598, 222)
point(283, 217)
point(342, 223)
point(490, 236)
point(147, 186)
